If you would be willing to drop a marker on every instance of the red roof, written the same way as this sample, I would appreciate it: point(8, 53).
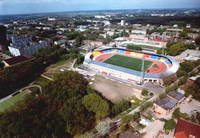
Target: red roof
point(184, 129)
point(15, 60)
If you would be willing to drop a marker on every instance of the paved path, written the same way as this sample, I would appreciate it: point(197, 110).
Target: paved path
point(46, 77)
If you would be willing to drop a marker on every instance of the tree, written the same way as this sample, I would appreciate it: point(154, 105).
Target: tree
point(180, 73)
point(146, 106)
point(80, 59)
point(187, 66)
point(178, 114)
point(120, 107)
point(197, 41)
point(145, 92)
point(127, 118)
point(58, 112)
point(96, 104)
point(169, 125)
point(176, 49)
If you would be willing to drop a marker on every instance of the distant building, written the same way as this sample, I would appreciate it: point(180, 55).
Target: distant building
point(142, 40)
point(188, 26)
point(51, 19)
point(122, 22)
point(186, 129)
point(22, 45)
point(14, 60)
point(139, 32)
point(193, 35)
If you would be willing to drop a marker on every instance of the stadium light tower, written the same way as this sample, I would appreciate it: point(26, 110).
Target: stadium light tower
point(142, 71)
point(162, 50)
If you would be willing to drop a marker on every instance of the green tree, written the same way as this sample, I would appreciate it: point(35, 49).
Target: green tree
point(145, 92)
point(187, 66)
point(176, 49)
point(120, 107)
point(169, 125)
point(178, 114)
point(96, 104)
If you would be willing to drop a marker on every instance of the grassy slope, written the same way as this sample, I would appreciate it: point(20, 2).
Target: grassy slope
point(12, 101)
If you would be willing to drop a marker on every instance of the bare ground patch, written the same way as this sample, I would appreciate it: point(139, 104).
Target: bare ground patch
point(113, 90)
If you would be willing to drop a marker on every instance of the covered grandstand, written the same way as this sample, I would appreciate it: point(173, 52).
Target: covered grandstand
point(133, 66)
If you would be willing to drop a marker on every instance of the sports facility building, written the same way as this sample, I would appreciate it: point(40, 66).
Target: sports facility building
point(132, 66)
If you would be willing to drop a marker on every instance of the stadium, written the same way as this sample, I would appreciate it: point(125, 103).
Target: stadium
point(131, 66)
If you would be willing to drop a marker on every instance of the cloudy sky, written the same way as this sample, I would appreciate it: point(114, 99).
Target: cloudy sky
point(35, 6)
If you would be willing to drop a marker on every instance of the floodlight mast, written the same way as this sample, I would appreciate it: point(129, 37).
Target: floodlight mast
point(142, 69)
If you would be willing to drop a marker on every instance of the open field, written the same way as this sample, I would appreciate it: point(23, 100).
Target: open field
point(55, 68)
point(114, 91)
point(12, 101)
point(128, 62)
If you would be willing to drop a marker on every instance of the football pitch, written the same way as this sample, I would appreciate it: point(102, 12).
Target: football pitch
point(128, 62)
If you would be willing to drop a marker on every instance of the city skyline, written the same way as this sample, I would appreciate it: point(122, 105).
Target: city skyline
point(37, 6)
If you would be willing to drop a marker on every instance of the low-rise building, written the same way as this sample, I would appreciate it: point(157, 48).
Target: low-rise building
point(14, 60)
point(177, 96)
point(164, 106)
point(186, 129)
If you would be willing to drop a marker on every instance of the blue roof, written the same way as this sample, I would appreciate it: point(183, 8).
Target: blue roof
point(166, 103)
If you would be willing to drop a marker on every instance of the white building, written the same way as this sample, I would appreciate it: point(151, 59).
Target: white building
point(122, 22)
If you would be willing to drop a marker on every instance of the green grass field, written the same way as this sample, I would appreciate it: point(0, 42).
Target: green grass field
point(7, 104)
point(128, 62)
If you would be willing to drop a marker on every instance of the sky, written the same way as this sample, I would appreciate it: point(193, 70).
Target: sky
point(38, 6)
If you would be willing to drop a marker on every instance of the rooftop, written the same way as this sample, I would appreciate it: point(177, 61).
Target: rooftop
point(176, 95)
point(185, 129)
point(166, 103)
point(15, 60)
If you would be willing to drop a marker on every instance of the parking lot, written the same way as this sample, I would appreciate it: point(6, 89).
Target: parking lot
point(190, 107)
point(114, 90)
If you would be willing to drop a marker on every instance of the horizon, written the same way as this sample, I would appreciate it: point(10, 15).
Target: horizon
point(51, 6)
point(101, 10)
